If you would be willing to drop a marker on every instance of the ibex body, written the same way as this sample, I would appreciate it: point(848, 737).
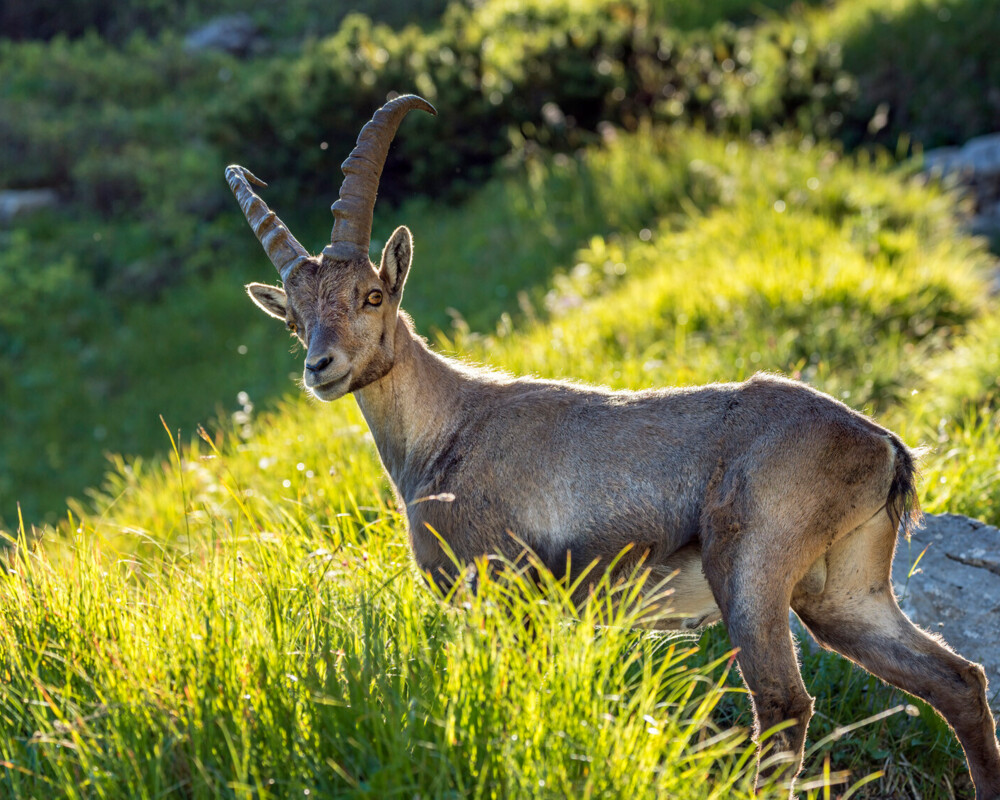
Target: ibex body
point(758, 497)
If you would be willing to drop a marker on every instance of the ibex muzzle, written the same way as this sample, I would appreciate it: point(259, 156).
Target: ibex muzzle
point(764, 495)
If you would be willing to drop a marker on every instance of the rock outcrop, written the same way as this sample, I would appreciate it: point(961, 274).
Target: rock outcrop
point(16, 203)
point(975, 164)
point(955, 588)
point(234, 33)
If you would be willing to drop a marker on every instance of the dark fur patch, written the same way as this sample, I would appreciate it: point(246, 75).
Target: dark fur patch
point(903, 505)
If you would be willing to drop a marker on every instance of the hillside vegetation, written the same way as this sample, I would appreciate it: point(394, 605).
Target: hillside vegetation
point(233, 611)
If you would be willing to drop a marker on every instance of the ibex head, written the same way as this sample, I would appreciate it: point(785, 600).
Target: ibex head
point(338, 304)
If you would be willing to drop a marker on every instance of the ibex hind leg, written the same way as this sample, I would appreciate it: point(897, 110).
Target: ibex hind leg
point(857, 615)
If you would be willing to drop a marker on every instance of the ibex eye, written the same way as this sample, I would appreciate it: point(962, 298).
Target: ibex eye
point(293, 327)
point(374, 298)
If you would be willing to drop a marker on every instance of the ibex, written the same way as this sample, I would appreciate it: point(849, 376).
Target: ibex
point(765, 495)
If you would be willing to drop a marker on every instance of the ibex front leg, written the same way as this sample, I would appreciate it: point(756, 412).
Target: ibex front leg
point(754, 600)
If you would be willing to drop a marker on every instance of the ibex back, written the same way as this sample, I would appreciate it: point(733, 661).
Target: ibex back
point(761, 496)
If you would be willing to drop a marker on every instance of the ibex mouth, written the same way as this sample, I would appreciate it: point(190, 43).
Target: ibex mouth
point(332, 389)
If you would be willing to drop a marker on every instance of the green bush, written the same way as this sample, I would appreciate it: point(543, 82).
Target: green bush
point(104, 128)
point(689, 15)
point(502, 76)
point(46, 321)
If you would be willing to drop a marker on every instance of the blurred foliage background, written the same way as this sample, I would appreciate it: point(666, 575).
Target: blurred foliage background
point(123, 301)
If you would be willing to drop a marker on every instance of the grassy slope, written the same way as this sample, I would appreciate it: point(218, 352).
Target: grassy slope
point(247, 613)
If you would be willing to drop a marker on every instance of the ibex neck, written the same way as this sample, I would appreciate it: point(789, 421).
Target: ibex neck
point(412, 411)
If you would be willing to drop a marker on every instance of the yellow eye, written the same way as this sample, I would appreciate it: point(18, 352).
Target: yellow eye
point(374, 298)
point(293, 327)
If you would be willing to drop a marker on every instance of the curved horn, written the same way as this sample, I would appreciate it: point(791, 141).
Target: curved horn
point(281, 247)
point(352, 227)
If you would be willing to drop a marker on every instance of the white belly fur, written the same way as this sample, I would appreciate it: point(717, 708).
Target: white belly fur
point(677, 595)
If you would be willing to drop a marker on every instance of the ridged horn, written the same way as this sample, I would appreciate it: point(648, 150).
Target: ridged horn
point(281, 247)
point(352, 227)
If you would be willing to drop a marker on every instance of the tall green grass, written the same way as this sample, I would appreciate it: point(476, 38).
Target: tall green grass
point(264, 664)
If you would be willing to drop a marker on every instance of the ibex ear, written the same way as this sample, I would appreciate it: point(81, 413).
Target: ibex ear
point(396, 258)
point(271, 299)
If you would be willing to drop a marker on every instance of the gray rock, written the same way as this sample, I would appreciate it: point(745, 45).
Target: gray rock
point(975, 166)
point(18, 202)
point(234, 33)
point(978, 158)
point(942, 160)
point(954, 590)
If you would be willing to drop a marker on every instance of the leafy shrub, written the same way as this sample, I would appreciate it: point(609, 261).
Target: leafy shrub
point(688, 15)
point(502, 75)
point(103, 127)
point(46, 319)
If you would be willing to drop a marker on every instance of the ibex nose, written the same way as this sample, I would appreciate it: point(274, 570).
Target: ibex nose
point(319, 364)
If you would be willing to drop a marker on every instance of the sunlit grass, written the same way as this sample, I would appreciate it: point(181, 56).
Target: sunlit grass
point(286, 665)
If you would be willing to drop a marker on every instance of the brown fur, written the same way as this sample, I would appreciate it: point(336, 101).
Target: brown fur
point(762, 496)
